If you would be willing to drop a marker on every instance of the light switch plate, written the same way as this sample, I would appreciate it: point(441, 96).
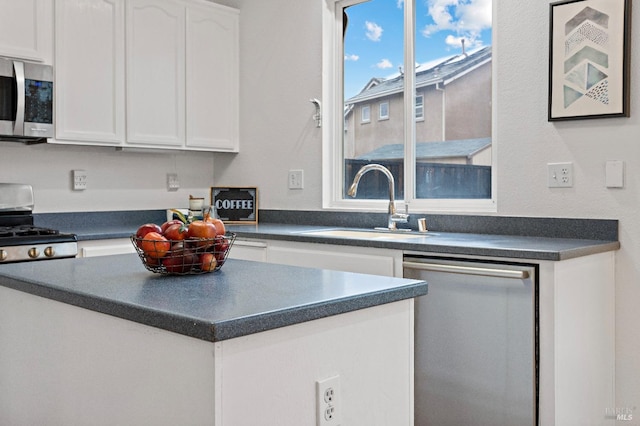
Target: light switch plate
point(614, 174)
point(296, 179)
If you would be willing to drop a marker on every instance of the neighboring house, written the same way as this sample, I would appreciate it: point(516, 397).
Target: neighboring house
point(453, 103)
point(465, 151)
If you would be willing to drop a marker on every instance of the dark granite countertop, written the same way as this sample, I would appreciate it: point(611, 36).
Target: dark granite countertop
point(492, 236)
point(239, 299)
point(506, 246)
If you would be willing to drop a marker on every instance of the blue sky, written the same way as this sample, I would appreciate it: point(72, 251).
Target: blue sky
point(374, 38)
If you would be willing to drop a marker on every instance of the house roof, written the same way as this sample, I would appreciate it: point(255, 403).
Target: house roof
point(442, 71)
point(430, 150)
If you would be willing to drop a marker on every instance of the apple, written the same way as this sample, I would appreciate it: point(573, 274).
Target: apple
point(218, 223)
point(143, 230)
point(208, 262)
point(180, 259)
point(175, 232)
point(168, 223)
point(221, 245)
point(155, 245)
point(199, 230)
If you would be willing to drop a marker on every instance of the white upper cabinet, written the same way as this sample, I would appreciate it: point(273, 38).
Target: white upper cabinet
point(90, 71)
point(26, 29)
point(147, 74)
point(212, 77)
point(155, 72)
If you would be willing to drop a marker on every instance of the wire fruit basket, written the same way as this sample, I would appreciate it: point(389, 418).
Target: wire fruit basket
point(184, 257)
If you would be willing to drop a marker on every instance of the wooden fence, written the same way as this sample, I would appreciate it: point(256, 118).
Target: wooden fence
point(434, 180)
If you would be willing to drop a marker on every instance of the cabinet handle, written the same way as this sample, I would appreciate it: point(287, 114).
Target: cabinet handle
point(468, 270)
point(18, 128)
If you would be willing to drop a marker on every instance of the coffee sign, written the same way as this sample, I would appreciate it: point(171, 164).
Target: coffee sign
point(235, 205)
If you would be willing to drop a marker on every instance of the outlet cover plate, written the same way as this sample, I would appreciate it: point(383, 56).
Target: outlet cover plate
point(173, 184)
point(560, 175)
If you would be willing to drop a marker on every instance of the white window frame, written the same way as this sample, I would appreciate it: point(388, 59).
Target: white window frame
point(382, 116)
point(421, 116)
point(367, 109)
point(333, 125)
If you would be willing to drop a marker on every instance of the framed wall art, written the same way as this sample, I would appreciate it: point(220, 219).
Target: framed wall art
point(235, 205)
point(589, 45)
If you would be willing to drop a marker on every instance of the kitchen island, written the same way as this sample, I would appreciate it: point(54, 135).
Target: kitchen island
point(104, 341)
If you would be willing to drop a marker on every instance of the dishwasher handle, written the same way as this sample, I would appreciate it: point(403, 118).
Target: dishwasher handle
point(468, 270)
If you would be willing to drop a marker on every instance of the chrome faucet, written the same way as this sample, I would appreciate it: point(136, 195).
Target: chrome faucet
point(394, 216)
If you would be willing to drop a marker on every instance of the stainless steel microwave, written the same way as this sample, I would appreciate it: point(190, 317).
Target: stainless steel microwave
point(26, 101)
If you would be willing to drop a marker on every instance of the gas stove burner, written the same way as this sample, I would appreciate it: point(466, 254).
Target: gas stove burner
point(20, 239)
point(25, 230)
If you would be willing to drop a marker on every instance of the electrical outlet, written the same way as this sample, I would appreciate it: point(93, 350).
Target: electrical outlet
point(79, 180)
point(173, 184)
point(329, 410)
point(296, 178)
point(560, 175)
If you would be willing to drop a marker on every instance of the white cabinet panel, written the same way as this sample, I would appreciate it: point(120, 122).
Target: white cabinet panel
point(25, 29)
point(340, 258)
point(155, 72)
point(92, 248)
point(249, 250)
point(147, 74)
point(212, 77)
point(90, 71)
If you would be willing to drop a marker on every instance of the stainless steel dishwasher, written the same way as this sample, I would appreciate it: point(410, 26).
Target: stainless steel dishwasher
point(476, 345)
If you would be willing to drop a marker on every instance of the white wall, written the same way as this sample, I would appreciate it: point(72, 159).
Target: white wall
point(116, 180)
point(281, 70)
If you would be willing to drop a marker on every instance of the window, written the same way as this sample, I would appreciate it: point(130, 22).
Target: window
point(419, 107)
point(438, 144)
point(384, 111)
point(365, 113)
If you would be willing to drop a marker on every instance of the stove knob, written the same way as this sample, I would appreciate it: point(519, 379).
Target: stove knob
point(33, 253)
point(3, 255)
point(49, 252)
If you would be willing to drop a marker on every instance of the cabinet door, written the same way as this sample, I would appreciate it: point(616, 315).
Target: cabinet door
point(155, 72)
point(93, 248)
point(212, 77)
point(339, 258)
point(249, 250)
point(90, 71)
point(25, 29)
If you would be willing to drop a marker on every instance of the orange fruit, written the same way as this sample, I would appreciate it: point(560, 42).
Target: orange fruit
point(155, 245)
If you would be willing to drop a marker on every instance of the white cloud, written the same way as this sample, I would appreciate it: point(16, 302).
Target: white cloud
point(467, 18)
point(351, 57)
point(384, 64)
point(400, 4)
point(374, 31)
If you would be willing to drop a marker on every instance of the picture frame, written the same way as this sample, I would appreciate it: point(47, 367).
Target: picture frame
point(589, 59)
point(235, 205)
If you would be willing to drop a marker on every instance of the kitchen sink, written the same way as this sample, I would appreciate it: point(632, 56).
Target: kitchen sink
point(367, 234)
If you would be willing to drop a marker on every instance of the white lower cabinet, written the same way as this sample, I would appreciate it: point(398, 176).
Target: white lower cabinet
point(362, 260)
point(65, 365)
point(577, 340)
point(248, 250)
point(340, 258)
point(92, 248)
